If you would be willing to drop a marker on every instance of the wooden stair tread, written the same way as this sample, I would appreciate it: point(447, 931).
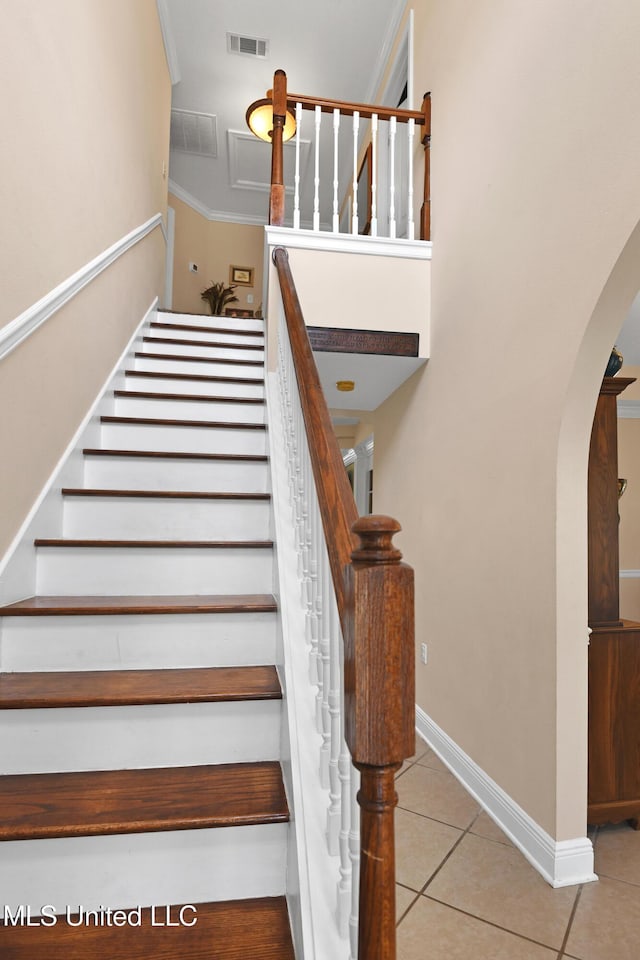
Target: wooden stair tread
point(174, 454)
point(203, 343)
point(197, 397)
point(232, 930)
point(162, 494)
point(101, 606)
point(101, 802)
point(160, 325)
point(174, 356)
point(102, 688)
point(169, 422)
point(179, 544)
point(197, 377)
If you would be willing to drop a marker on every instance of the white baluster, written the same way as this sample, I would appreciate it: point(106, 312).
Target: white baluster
point(354, 853)
point(354, 208)
point(323, 630)
point(335, 684)
point(411, 129)
point(336, 209)
point(316, 179)
point(392, 177)
point(325, 653)
point(316, 579)
point(296, 195)
point(374, 175)
point(344, 883)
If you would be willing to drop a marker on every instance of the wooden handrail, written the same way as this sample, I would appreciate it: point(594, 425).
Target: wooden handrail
point(364, 109)
point(375, 598)
point(337, 506)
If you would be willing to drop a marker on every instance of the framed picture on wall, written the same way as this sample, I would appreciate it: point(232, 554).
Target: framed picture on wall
point(242, 276)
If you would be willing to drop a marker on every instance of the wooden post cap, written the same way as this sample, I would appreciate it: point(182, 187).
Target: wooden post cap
point(376, 533)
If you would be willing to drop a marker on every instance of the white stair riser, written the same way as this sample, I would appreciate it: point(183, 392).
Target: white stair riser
point(209, 388)
point(190, 409)
point(206, 320)
point(185, 333)
point(130, 737)
point(171, 519)
point(136, 436)
point(195, 350)
point(137, 642)
point(140, 473)
point(213, 368)
point(127, 870)
point(63, 571)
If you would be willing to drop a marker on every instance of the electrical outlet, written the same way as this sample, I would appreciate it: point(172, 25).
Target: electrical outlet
point(423, 652)
point(249, 298)
point(193, 267)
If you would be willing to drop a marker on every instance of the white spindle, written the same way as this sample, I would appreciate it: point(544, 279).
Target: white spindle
point(325, 654)
point(392, 177)
point(336, 206)
point(411, 129)
point(374, 175)
point(296, 194)
point(354, 209)
point(316, 178)
point(335, 683)
point(354, 853)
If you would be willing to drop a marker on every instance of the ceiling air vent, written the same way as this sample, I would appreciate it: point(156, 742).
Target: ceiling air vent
point(247, 46)
point(194, 133)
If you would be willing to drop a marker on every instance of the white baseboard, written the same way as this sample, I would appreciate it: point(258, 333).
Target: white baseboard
point(18, 566)
point(561, 863)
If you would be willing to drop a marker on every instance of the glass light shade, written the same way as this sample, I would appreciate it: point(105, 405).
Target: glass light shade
point(260, 121)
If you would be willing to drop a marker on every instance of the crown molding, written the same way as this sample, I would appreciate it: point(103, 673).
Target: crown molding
point(208, 213)
point(385, 50)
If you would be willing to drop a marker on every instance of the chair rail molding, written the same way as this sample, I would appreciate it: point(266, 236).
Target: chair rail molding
point(34, 316)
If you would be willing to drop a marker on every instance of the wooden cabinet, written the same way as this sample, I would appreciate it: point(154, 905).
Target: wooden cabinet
point(614, 649)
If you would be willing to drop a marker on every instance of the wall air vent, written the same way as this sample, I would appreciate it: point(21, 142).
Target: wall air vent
point(247, 46)
point(194, 133)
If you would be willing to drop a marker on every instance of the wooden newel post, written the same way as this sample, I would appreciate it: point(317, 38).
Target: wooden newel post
point(425, 212)
point(379, 714)
point(279, 100)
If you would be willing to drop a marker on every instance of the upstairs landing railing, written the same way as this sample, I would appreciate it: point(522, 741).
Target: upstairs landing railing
point(365, 186)
point(359, 601)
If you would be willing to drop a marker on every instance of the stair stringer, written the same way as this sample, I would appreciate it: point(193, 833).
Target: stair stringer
point(18, 566)
point(312, 873)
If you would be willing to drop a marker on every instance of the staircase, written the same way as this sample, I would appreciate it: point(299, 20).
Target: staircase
point(141, 707)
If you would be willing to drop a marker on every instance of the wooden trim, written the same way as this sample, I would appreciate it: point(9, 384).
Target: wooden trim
point(159, 324)
point(196, 377)
point(139, 605)
point(173, 356)
point(154, 544)
point(226, 930)
point(174, 454)
point(185, 397)
point(118, 688)
point(104, 802)
point(166, 422)
point(380, 342)
point(204, 343)
point(161, 494)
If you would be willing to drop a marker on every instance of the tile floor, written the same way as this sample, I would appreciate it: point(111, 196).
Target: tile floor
point(465, 892)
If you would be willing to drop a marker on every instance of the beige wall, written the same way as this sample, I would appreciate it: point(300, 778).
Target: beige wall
point(533, 271)
point(215, 246)
point(86, 112)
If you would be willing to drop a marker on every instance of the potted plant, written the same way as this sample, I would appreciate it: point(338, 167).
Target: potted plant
point(218, 296)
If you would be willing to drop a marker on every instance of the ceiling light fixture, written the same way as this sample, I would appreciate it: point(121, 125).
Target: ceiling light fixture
point(345, 386)
point(260, 121)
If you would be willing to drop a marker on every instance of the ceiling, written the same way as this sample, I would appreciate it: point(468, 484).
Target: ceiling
point(335, 49)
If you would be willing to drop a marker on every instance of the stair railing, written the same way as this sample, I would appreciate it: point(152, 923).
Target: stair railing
point(358, 597)
point(360, 222)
